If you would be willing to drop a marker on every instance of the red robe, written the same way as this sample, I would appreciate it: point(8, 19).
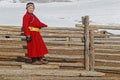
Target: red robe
point(37, 47)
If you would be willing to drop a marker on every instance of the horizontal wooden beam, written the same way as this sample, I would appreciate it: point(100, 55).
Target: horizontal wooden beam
point(48, 34)
point(10, 39)
point(107, 68)
point(107, 50)
point(11, 46)
point(48, 28)
point(107, 46)
point(11, 54)
point(65, 42)
point(4, 31)
point(65, 56)
point(107, 61)
point(56, 56)
point(108, 39)
point(106, 36)
point(100, 27)
point(105, 27)
point(79, 26)
point(57, 78)
point(50, 72)
point(11, 63)
point(92, 74)
point(38, 67)
point(23, 46)
point(107, 54)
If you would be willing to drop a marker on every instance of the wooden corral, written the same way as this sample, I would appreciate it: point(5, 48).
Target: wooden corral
point(73, 52)
point(104, 47)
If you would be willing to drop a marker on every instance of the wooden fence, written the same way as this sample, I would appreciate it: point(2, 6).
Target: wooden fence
point(65, 45)
point(84, 47)
point(102, 47)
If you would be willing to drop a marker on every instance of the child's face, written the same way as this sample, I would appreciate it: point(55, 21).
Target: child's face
point(30, 9)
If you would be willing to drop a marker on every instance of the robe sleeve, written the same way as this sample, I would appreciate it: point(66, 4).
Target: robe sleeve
point(26, 22)
point(42, 25)
point(39, 23)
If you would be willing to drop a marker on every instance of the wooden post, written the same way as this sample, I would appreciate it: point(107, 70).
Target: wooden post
point(85, 21)
point(92, 55)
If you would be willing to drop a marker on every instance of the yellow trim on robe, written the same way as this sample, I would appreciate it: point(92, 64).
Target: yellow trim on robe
point(34, 29)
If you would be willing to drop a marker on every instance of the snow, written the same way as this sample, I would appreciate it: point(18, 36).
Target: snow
point(63, 14)
point(9, 1)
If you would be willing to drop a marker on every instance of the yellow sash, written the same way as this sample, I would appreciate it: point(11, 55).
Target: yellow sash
point(34, 29)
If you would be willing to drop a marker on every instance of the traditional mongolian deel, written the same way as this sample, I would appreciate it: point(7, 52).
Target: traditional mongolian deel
point(31, 26)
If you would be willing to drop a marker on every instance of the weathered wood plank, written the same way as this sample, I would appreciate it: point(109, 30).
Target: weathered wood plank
point(62, 35)
point(107, 42)
point(107, 68)
point(48, 28)
point(20, 44)
point(57, 78)
point(79, 43)
point(107, 64)
point(11, 54)
point(9, 67)
point(48, 34)
point(13, 28)
point(56, 56)
point(65, 42)
point(4, 31)
point(63, 31)
point(107, 46)
point(50, 40)
point(107, 61)
point(10, 33)
point(92, 74)
point(49, 47)
point(11, 63)
point(52, 65)
point(35, 67)
point(106, 36)
point(64, 56)
point(107, 39)
point(62, 73)
point(59, 73)
point(10, 39)
point(105, 27)
point(12, 46)
point(43, 32)
point(107, 50)
point(85, 21)
point(75, 65)
point(61, 28)
point(11, 36)
point(54, 39)
point(63, 39)
point(92, 51)
point(107, 54)
point(80, 25)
